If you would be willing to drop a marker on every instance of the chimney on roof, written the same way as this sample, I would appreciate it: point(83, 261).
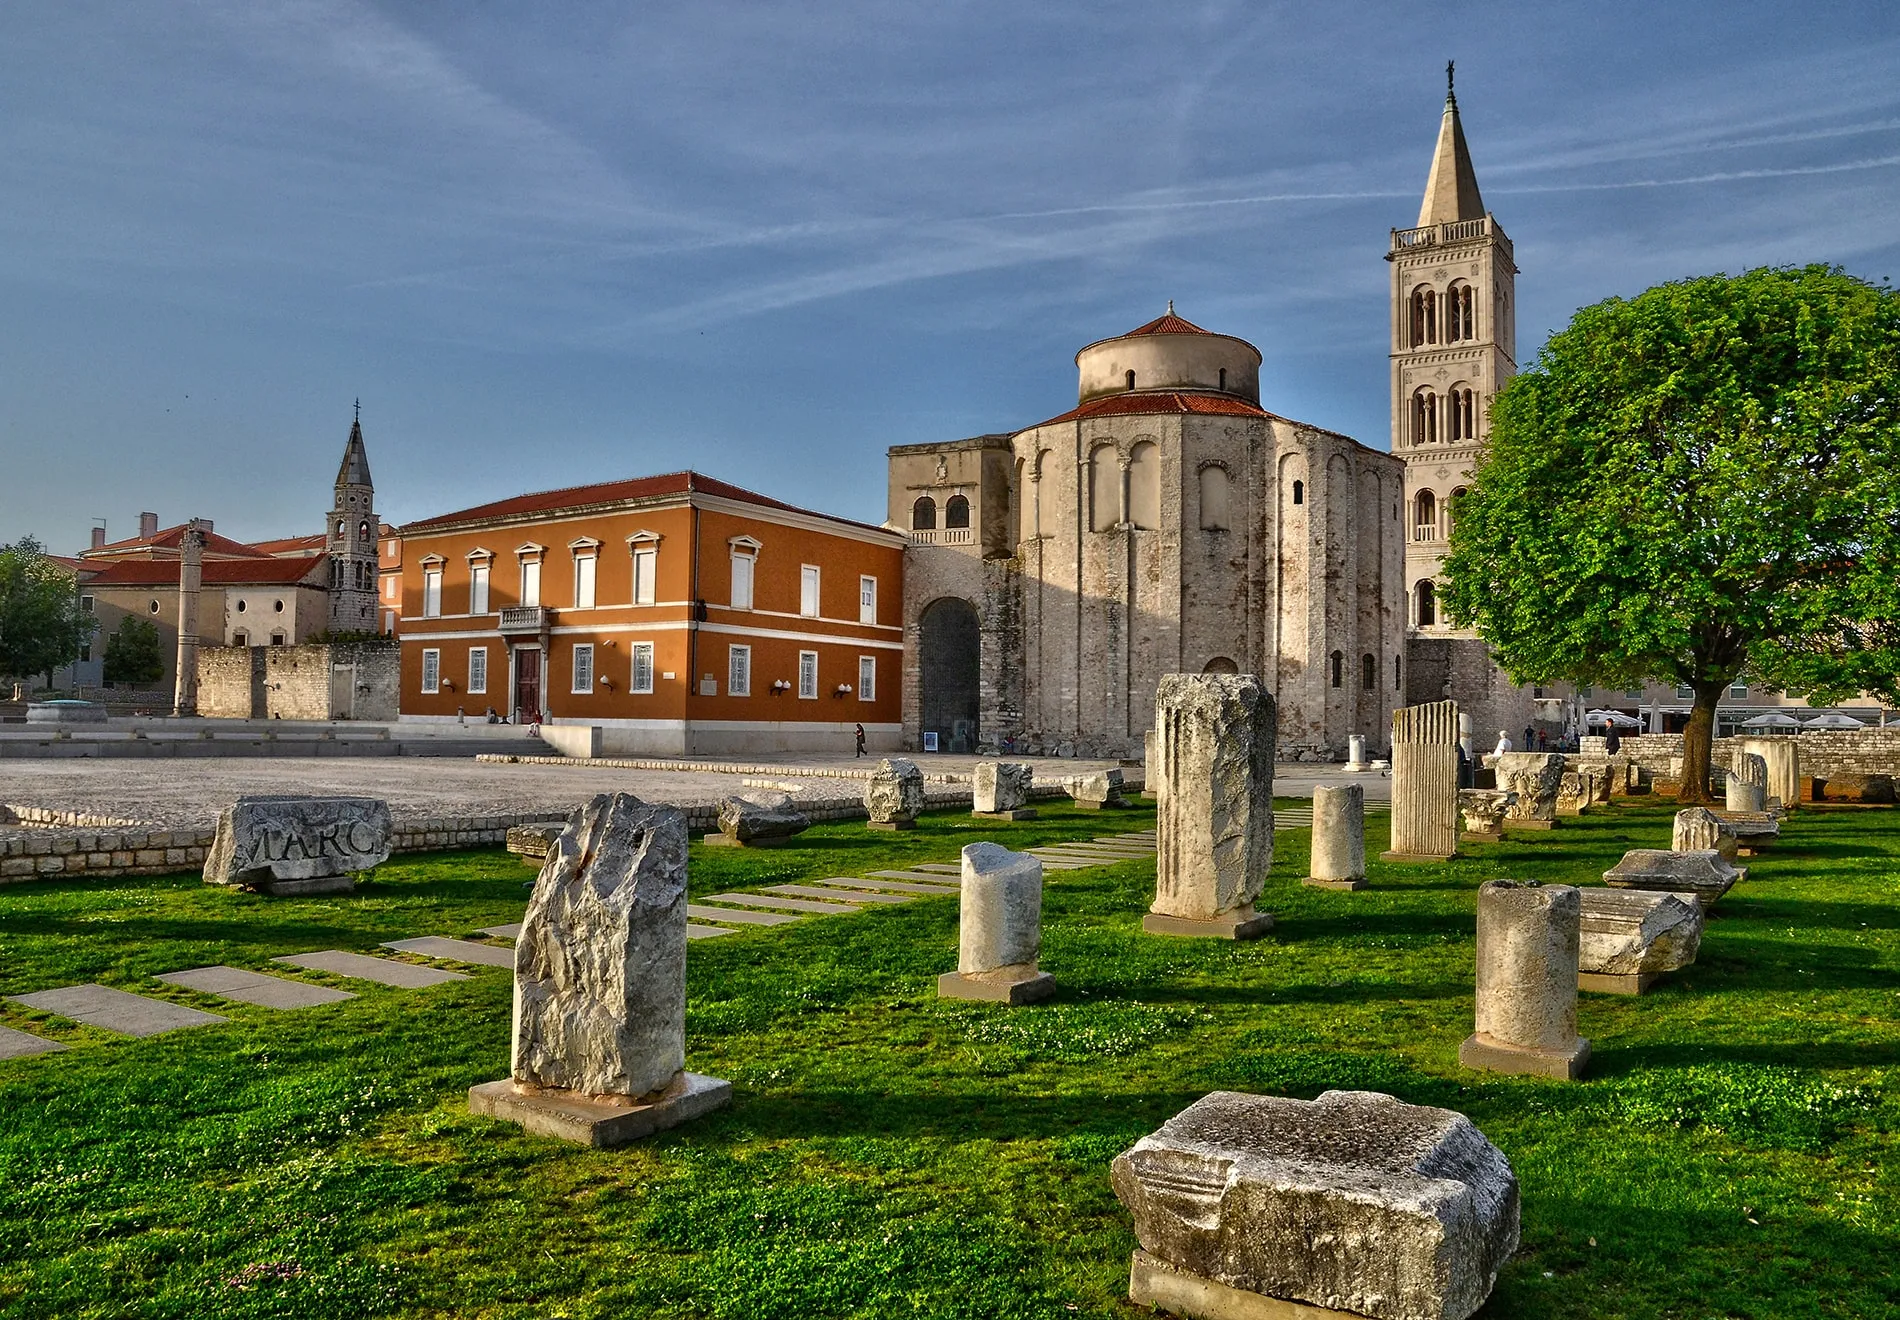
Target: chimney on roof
point(98, 536)
point(148, 526)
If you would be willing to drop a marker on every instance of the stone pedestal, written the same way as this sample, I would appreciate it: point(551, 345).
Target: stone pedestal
point(999, 790)
point(1424, 783)
point(1538, 779)
point(600, 984)
point(1355, 753)
point(1214, 741)
point(291, 846)
point(1629, 938)
point(999, 929)
point(1339, 838)
point(1697, 829)
point(1483, 811)
point(1528, 938)
point(894, 795)
point(1093, 792)
point(1703, 873)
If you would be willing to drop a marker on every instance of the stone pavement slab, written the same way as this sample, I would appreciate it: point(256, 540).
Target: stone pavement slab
point(511, 931)
point(255, 987)
point(899, 886)
point(465, 951)
point(837, 895)
point(743, 918)
point(788, 904)
point(362, 967)
point(116, 1010)
point(695, 931)
point(20, 1044)
point(939, 868)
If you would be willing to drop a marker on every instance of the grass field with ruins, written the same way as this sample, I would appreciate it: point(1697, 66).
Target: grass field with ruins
point(888, 1154)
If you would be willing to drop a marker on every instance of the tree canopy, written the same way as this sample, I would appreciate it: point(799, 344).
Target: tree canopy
point(1692, 484)
point(134, 657)
point(42, 626)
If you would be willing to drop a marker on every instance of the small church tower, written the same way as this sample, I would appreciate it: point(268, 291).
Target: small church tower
point(351, 540)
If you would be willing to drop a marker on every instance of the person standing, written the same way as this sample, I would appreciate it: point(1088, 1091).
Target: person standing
point(861, 751)
point(1613, 741)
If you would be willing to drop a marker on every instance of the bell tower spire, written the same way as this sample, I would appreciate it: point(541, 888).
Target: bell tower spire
point(1451, 190)
point(351, 537)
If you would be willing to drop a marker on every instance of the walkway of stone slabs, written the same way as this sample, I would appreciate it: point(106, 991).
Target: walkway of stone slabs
point(717, 914)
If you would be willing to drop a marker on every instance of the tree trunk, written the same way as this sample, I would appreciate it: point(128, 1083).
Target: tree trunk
point(1697, 740)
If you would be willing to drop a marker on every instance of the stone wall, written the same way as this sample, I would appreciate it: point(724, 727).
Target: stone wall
point(315, 681)
point(1439, 668)
point(1824, 752)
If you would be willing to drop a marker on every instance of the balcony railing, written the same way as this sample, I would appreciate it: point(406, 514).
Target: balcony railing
point(945, 536)
point(524, 619)
point(1458, 231)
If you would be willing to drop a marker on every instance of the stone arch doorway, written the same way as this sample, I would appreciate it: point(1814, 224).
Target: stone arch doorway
point(1220, 664)
point(950, 651)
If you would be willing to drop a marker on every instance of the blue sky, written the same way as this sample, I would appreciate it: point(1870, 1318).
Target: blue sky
point(551, 244)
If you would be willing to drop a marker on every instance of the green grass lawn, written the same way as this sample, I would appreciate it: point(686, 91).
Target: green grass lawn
point(1731, 1155)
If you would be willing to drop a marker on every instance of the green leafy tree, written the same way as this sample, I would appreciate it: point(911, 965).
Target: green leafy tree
point(1696, 483)
point(42, 626)
point(133, 655)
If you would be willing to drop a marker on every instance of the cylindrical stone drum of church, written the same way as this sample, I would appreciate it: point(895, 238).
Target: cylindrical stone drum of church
point(1527, 964)
point(1339, 832)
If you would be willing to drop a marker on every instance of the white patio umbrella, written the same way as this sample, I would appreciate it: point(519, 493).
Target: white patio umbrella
point(1834, 719)
point(1774, 719)
point(1616, 717)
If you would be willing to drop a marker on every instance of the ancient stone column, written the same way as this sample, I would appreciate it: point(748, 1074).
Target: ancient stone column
point(1747, 788)
point(1355, 753)
point(190, 579)
point(999, 790)
point(1527, 982)
point(1698, 829)
point(1782, 760)
point(895, 795)
point(1339, 838)
point(1538, 780)
point(1424, 783)
point(600, 985)
point(1628, 938)
point(1214, 739)
point(999, 929)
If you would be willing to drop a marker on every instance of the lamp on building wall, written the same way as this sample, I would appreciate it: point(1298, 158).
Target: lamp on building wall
point(844, 690)
point(448, 685)
point(781, 685)
point(606, 681)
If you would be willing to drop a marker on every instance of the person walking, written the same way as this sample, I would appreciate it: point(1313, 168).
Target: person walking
point(1613, 741)
point(861, 751)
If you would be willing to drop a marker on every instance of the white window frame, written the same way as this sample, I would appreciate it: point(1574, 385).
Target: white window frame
point(530, 573)
point(867, 678)
point(586, 579)
point(478, 671)
point(867, 598)
point(811, 598)
point(637, 653)
point(738, 671)
point(646, 574)
point(432, 591)
point(583, 665)
point(808, 676)
point(431, 670)
point(745, 566)
point(478, 588)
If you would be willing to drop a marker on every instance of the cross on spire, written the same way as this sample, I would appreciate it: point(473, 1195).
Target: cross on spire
point(359, 410)
point(1450, 71)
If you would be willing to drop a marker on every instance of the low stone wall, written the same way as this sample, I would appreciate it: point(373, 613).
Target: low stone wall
point(1824, 752)
point(1131, 778)
point(299, 682)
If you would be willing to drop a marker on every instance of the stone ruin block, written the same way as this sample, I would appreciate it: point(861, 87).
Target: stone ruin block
point(999, 790)
point(1353, 1204)
point(1538, 779)
point(1698, 829)
point(1214, 735)
point(1781, 759)
point(894, 796)
point(1574, 794)
point(1754, 830)
point(761, 818)
point(1747, 787)
point(1339, 838)
point(290, 845)
point(999, 929)
point(1103, 788)
point(1627, 938)
point(1528, 937)
point(1703, 873)
point(600, 985)
point(1858, 788)
point(535, 839)
point(1483, 811)
point(1424, 783)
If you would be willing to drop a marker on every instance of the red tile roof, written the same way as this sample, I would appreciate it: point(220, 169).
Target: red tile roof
point(1159, 401)
point(291, 545)
point(217, 572)
point(1168, 324)
point(172, 538)
point(518, 507)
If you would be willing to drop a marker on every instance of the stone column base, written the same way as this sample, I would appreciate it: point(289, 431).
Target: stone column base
point(595, 1121)
point(1318, 883)
point(955, 985)
point(1530, 824)
point(1483, 836)
point(1018, 813)
point(1609, 983)
point(1241, 924)
point(1416, 857)
point(1490, 1054)
point(890, 824)
point(1154, 1284)
point(322, 884)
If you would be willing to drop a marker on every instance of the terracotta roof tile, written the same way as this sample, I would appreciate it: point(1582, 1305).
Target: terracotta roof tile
point(171, 539)
point(1168, 324)
point(217, 572)
point(291, 545)
point(517, 507)
point(1159, 401)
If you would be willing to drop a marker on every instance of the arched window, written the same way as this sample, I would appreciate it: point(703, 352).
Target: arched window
point(1105, 488)
point(1424, 316)
point(1451, 509)
point(1144, 486)
point(1425, 517)
point(957, 512)
point(1398, 673)
point(1220, 664)
point(1223, 378)
point(1339, 668)
point(1462, 418)
point(1427, 604)
point(362, 529)
point(1368, 672)
point(923, 514)
point(1215, 499)
point(1424, 417)
point(1131, 380)
point(1460, 322)
point(1299, 492)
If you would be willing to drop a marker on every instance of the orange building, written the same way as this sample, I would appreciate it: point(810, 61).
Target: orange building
point(677, 614)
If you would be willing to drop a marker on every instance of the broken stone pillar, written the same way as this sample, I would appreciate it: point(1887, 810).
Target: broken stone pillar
point(1000, 790)
point(1355, 753)
point(760, 818)
point(1339, 838)
point(1627, 938)
point(999, 929)
point(1781, 759)
point(190, 578)
point(1483, 810)
point(895, 794)
point(1537, 778)
point(289, 845)
point(1424, 782)
point(1527, 982)
point(1698, 829)
point(1094, 791)
point(1356, 1204)
point(600, 985)
point(1747, 788)
point(1754, 830)
point(1573, 794)
point(1148, 763)
point(1702, 873)
point(1214, 740)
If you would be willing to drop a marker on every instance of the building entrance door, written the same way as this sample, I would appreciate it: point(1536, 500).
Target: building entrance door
point(527, 685)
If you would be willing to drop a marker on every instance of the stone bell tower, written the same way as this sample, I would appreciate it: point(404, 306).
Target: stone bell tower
point(351, 539)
